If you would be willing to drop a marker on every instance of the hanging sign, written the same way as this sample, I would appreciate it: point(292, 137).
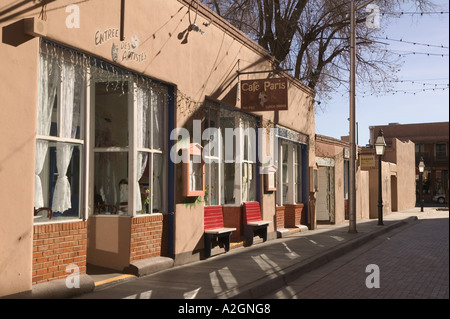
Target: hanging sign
point(367, 161)
point(264, 95)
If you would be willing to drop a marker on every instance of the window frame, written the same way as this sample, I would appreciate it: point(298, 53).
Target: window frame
point(151, 150)
point(133, 149)
point(80, 142)
point(248, 175)
point(440, 154)
point(239, 118)
point(210, 159)
point(294, 173)
point(86, 142)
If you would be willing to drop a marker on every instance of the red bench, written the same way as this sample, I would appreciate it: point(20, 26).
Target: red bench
point(253, 223)
point(214, 228)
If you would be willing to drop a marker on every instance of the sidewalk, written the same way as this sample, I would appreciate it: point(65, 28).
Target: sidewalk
point(243, 272)
point(251, 272)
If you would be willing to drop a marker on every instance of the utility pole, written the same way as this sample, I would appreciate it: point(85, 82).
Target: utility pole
point(352, 174)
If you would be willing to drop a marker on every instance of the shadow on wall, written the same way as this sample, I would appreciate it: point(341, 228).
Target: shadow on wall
point(14, 34)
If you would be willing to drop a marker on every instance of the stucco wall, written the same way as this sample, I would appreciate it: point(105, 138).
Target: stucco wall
point(326, 147)
point(406, 178)
point(18, 73)
point(362, 195)
point(197, 65)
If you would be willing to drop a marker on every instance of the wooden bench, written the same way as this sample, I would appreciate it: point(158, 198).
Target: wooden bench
point(214, 228)
point(253, 223)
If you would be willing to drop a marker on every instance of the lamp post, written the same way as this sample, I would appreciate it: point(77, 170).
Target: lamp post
point(421, 169)
point(380, 146)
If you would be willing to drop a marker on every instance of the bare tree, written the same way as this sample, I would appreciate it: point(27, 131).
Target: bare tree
point(311, 37)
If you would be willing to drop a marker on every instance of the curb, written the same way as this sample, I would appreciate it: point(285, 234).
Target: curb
point(57, 289)
point(281, 278)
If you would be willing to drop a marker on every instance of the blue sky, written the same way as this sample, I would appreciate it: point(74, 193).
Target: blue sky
point(427, 72)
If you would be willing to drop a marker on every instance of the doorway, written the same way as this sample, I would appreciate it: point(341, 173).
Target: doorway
point(394, 196)
point(325, 195)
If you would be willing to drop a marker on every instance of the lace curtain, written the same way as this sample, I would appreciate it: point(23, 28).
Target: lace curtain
point(143, 135)
point(68, 113)
point(157, 182)
point(158, 165)
point(49, 81)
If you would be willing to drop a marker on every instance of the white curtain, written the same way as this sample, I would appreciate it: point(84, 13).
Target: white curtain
point(158, 109)
point(157, 185)
point(158, 165)
point(48, 82)
point(69, 110)
point(143, 136)
point(61, 196)
point(140, 169)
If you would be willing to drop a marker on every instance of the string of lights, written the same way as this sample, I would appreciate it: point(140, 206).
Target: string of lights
point(402, 13)
point(406, 53)
point(414, 43)
point(411, 92)
point(417, 82)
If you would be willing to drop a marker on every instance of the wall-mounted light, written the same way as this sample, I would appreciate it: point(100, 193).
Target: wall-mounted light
point(35, 27)
point(196, 28)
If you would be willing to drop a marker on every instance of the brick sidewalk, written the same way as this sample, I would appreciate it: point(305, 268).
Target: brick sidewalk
point(413, 263)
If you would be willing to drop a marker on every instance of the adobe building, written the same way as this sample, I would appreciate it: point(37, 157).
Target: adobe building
point(97, 98)
point(332, 160)
point(397, 176)
point(431, 143)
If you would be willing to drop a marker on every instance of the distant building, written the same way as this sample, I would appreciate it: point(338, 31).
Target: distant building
point(431, 144)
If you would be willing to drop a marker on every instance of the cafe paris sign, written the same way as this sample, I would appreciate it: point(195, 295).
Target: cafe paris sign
point(264, 95)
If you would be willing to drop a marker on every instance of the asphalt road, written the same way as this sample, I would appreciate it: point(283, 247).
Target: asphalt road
point(408, 263)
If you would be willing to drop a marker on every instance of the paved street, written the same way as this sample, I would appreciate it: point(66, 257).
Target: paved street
point(412, 263)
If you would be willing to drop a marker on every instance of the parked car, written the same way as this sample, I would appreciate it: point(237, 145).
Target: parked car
point(440, 198)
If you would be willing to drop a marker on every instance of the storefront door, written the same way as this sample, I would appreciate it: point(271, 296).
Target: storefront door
point(325, 195)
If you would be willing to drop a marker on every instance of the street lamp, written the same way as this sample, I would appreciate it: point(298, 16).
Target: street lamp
point(380, 146)
point(421, 169)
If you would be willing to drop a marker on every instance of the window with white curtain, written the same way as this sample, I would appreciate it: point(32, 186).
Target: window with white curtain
point(212, 157)
point(114, 122)
point(111, 140)
point(290, 173)
point(59, 136)
point(151, 150)
point(248, 168)
point(230, 177)
point(127, 134)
